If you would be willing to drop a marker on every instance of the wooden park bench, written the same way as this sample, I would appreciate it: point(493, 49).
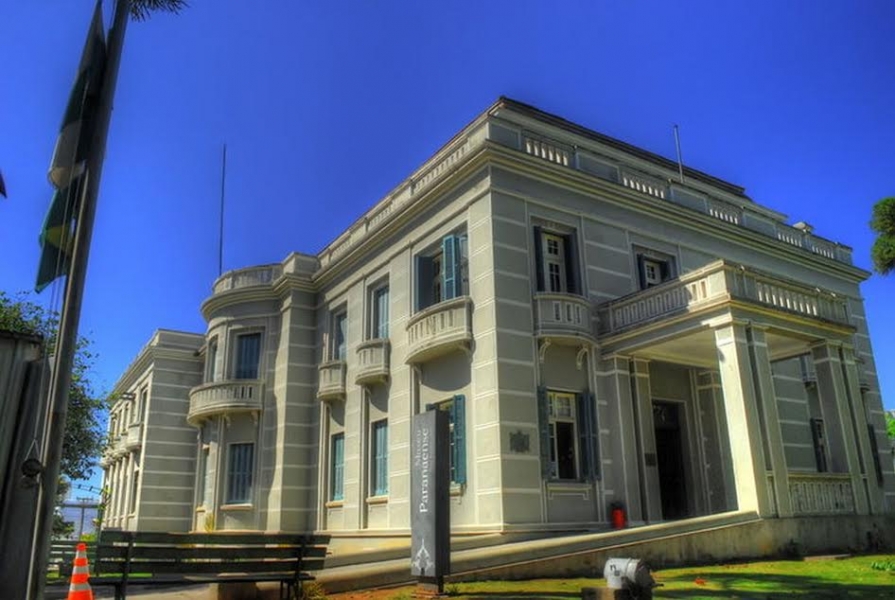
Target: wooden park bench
point(148, 558)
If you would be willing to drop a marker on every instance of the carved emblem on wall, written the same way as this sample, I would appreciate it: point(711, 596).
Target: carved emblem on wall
point(519, 442)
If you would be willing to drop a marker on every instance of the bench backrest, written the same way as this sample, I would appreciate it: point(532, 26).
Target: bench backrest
point(133, 553)
point(62, 555)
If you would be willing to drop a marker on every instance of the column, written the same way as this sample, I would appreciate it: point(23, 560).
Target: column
point(650, 490)
point(769, 415)
point(831, 389)
point(743, 421)
point(621, 473)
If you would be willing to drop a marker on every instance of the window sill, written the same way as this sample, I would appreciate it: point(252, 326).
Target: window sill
point(237, 507)
point(380, 499)
point(335, 504)
point(457, 489)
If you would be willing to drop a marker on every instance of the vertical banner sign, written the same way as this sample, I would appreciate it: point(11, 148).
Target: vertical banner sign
point(430, 482)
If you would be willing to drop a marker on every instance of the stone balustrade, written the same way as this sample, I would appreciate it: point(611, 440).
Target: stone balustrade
point(224, 397)
point(250, 277)
point(717, 282)
point(134, 436)
point(372, 362)
point(331, 380)
point(439, 329)
point(821, 494)
point(563, 316)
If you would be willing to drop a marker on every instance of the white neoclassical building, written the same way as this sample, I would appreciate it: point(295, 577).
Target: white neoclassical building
point(600, 329)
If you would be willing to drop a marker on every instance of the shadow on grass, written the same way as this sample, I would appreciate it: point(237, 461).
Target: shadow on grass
point(769, 586)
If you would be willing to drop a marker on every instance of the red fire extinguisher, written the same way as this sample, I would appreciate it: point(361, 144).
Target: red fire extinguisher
point(617, 515)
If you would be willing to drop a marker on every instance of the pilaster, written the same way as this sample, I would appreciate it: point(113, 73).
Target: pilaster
point(767, 404)
point(650, 490)
point(621, 472)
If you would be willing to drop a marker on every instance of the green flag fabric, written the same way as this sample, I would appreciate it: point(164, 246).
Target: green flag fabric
point(57, 235)
point(67, 169)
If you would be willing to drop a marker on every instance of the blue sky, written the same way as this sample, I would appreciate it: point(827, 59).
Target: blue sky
point(326, 105)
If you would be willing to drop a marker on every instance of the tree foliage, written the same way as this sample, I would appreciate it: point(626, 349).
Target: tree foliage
point(883, 223)
point(142, 9)
point(84, 436)
point(890, 426)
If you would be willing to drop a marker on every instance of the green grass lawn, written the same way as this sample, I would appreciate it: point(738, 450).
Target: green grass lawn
point(847, 578)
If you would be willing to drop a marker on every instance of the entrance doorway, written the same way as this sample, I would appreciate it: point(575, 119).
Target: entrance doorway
point(670, 460)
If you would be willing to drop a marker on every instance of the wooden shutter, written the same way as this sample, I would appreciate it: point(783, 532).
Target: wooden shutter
point(589, 436)
point(665, 270)
point(458, 415)
point(641, 271)
point(544, 431)
point(539, 260)
point(450, 267)
point(585, 461)
point(423, 282)
point(573, 282)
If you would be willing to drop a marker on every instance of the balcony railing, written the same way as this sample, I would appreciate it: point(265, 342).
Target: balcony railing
point(821, 494)
point(120, 447)
point(563, 316)
point(224, 397)
point(439, 329)
point(242, 278)
point(331, 380)
point(372, 362)
point(719, 282)
point(134, 436)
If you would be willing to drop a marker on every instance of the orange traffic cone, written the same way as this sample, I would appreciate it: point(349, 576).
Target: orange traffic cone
point(80, 588)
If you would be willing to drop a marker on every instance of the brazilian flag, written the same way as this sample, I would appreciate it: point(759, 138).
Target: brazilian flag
point(68, 168)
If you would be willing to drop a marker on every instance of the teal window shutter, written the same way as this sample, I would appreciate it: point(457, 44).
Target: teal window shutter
point(458, 448)
point(586, 436)
point(450, 253)
point(338, 466)
point(544, 430)
point(594, 423)
point(380, 458)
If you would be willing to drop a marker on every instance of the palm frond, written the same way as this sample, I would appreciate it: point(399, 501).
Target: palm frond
point(143, 9)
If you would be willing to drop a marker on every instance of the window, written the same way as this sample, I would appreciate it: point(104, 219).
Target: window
point(135, 487)
point(379, 458)
point(380, 313)
point(141, 406)
point(563, 442)
point(444, 274)
point(820, 444)
point(654, 268)
point(339, 348)
point(337, 467)
point(874, 450)
point(201, 475)
point(239, 473)
point(211, 361)
point(248, 353)
point(568, 435)
point(456, 409)
point(556, 262)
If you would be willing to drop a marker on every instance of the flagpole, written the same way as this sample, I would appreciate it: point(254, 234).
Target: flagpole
point(680, 162)
point(221, 231)
point(66, 341)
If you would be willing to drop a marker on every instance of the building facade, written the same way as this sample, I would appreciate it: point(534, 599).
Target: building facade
point(150, 460)
point(600, 329)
